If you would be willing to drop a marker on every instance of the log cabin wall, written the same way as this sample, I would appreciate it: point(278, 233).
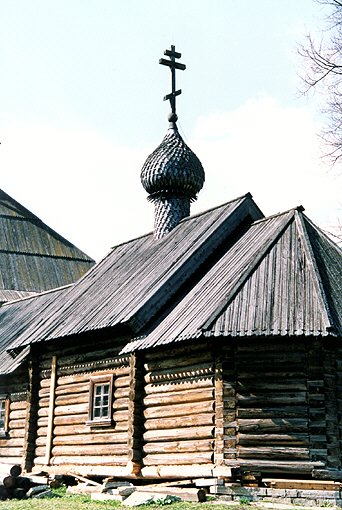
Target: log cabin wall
point(12, 446)
point(72, 440)
point(276, 420)
point(179, 412)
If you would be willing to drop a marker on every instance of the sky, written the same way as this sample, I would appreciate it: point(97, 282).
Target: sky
point(81, 108)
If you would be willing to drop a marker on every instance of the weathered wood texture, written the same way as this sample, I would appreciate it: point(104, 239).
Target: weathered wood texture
point(74, 442)
point(179, 410)
point(12, 446)
point(279, 418)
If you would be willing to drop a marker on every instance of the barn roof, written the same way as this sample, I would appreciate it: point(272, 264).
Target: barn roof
point(136, 279)
point(15, 318)
point(282, 277)
point(33, 257)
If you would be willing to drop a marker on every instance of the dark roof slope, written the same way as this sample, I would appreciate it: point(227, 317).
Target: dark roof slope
point(33, 257)
point(138, 278)
point(15, 318)
point(282, 277)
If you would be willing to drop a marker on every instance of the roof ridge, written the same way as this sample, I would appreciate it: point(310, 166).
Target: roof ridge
point(246, 274)
point(299, 208)
point(37, 294)
point(317, 280)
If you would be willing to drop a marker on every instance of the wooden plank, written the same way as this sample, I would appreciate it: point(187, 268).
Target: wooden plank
point(51, 409)
point(286, 483)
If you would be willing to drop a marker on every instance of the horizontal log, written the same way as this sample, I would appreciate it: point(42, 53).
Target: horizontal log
point(270, 386)
point(198, 445)
point(178, 397)
point(42, 422)
point(85, 377)
point(121, 392)
point(179, 434)
point(71, 409)
point(41, 431)
point(70, 389)
point(180, 421)
point(274, 439)
point(11, 441)
point(110, 460)
point(66, 430)
point(184, 409)
point(186, 384)
point(17, 424)
point(17, 433)
point(273, 399)
point(91, 438)
point(40, 441)
point(91, 449)
point(20, 404)
point(276, 425)
point(178, 472)
point(71, 419)
point(11, 452)
point(74, 398)
point(168, 459)
point(277, 466)
point(285, 453)
point(19, 414)
point(181, 361)
point(273, 412)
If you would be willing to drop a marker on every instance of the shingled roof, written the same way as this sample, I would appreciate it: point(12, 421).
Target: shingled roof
point(15, 318)
point(282, 277)
point(33, 257)
point(138, 278)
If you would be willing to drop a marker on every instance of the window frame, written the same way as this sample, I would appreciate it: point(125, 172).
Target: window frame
point(95, 381)
point(5, 429)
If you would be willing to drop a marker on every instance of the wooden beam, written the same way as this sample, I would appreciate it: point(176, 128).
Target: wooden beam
point(51, 410)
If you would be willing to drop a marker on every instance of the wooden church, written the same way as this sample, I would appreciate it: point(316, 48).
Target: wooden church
point(211, 343)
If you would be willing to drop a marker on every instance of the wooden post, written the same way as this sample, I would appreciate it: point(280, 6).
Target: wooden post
point(51, 410)
point(31, 415)
point(219, 414)
point(135, 416)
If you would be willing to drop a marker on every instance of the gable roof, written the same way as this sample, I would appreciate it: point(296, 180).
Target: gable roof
point(33, 257)
point(282, 277)
point(136, 279)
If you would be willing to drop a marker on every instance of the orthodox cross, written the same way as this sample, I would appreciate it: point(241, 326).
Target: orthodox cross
point(173, 65)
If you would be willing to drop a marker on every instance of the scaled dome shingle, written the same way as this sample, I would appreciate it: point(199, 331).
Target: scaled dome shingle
point(172, 168)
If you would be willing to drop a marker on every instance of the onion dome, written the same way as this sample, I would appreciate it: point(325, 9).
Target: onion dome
point(172, 169)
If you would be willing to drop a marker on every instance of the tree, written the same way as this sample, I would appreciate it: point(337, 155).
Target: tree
point(324, 72)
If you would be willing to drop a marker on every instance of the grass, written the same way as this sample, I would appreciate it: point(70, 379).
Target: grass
point(64, 501)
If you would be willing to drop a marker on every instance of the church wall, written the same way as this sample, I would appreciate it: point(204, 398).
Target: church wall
point(179, 412)
point(14, 388)
point(279, 405)
point(67, 434)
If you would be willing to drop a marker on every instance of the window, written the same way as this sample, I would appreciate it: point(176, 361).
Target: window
point(4, 416)
point(100, 401)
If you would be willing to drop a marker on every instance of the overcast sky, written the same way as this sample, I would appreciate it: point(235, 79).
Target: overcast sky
point(81, 107)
